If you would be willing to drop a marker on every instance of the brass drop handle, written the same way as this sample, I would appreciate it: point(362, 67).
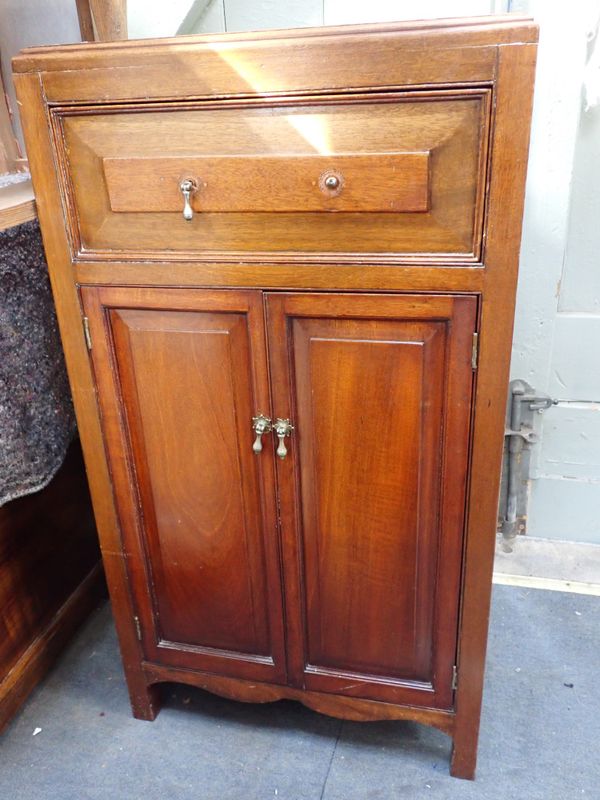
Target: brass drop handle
point(260, 425)
point(283, 428)
point(187, 188)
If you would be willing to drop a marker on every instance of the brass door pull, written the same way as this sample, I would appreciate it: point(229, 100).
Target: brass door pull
point(260, 425)
point(187, 188)
point(283, 428)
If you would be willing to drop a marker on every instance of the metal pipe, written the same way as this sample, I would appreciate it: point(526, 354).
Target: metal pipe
point(515, 448)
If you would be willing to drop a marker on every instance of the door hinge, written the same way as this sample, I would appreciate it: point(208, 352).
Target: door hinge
point(475, 351)
point(86, 333)
point(454, 678)
point(138, 628)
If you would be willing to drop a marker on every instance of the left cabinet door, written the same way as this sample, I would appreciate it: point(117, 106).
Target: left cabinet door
point(180, 374)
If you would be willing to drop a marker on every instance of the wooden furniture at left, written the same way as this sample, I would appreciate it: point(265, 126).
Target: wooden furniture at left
point(50, 578)
point(17, 204)
point(10, 155)
point(16, 199)
point(50, 571)
point(102, 20)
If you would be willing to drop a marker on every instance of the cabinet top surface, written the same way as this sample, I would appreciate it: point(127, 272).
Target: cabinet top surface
point(415, 34)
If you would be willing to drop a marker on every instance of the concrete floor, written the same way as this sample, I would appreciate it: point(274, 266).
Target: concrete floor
point(548, 564)
point(540, 737)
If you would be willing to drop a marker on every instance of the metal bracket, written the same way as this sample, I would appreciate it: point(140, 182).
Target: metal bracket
point(475, 351)
point(519, 435)
point(86, 333)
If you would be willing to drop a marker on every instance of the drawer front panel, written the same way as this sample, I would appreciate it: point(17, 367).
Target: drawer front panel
point(384, 182)
point(394, 174)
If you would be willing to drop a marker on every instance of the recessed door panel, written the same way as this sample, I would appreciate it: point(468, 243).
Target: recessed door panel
point(378, 389)
point(189, 373)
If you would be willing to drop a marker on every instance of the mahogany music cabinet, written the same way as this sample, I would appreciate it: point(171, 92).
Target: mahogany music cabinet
point(284, 266)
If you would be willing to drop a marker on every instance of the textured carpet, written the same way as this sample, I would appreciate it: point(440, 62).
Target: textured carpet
point(36, 414)
point(540, 736)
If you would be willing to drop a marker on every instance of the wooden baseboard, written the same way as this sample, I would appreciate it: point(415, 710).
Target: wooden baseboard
point(44, 650)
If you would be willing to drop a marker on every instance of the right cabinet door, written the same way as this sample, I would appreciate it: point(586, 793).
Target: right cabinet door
point(373, 489)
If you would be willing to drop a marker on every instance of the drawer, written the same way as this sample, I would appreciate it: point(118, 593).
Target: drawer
point(383, 176)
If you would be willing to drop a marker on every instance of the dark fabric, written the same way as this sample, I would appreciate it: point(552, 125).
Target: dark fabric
point(36, 413)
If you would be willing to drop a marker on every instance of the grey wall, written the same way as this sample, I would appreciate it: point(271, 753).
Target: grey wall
point(557, 331)
point(154, 18)
point(26, 23)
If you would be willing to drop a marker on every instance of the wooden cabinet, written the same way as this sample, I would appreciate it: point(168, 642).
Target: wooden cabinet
point(285, 283)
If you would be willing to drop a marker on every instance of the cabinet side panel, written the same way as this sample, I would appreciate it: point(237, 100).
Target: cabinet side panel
point(510, 139)
point(49, 207)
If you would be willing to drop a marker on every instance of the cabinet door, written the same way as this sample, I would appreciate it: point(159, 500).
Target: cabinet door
point(180, 373)
point(378, 388)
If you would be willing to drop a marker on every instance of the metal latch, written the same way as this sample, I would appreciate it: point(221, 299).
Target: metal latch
point(86, 333)
point(523, 403)
point(475, 351)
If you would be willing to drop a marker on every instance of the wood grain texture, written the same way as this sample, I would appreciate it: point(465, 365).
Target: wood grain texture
point(144, 700)
point(109, 19)
point(460, 33)
point(379, 390)
point(50, 578)
point(86, 23)
point(10, 154)
point(16, 204)
point(17, 214)
point(48, 645)
point(287, 271)
point(506, 196)
point(180, 376)
point(351, 708)
point(440, 207)
point(384, 182)
point(249, 70)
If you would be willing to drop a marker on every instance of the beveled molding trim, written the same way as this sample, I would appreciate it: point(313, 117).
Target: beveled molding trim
point(456, 90)
point(215, 652)
point(243, 257)
point(474, 31)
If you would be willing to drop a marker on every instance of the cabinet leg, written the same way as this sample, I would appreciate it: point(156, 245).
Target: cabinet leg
point(464, 754)
point(145, 700)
